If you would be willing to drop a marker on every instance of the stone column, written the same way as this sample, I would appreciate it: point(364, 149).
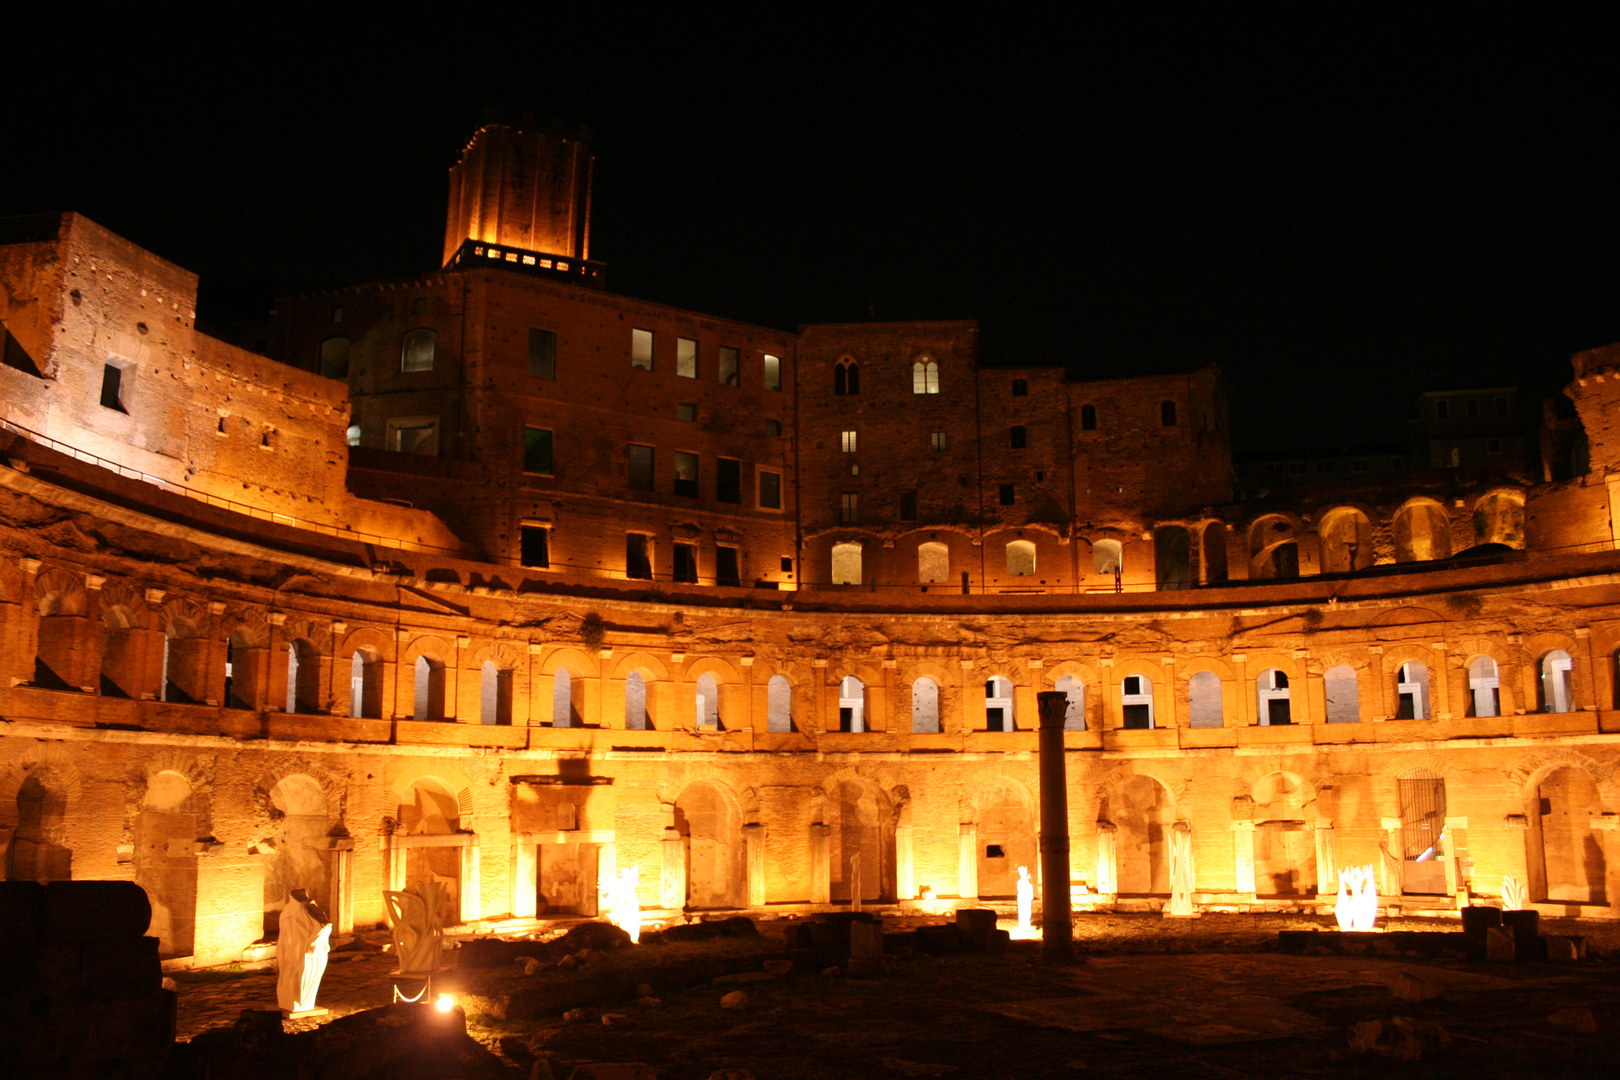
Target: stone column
point(472, 901)
point(904, 873)
point(754, 860)
point(394, 863)
point(820, 863)
point(340, 885)
point(1107, 864)
point(1057, 920)
point(525, 880)
point(674, 880)
point(1327, 871)
point(967, 860)
point(1456, 851)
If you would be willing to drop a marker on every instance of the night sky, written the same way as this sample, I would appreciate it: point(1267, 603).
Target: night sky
point(1339, 214)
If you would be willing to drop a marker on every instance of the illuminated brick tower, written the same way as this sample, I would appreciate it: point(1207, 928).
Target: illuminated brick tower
point(528, 190)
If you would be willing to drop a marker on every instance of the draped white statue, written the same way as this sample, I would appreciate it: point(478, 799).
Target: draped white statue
point(304, 940)
point(415, 920)
point(1026, 900)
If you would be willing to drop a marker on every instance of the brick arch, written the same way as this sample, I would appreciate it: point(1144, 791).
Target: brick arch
point(1307, 801)
point(119, 595)
point(269, 774)
point(450, 779)
point(443, 649)
point(11, 581)
point(577, 661)
point(868, 673)
point(53, 766)
point(728, 781)
point(65, 589)
point(1108, 787)
point(184, 609)
point(644, 662)
point(725, 674)
point(1285, 662)
point(898, 796)
point(505, 654)
point(1089, 674)
point(1525, 777)
point(368, 637)
point(975, 784)
point(250, 623)
point(319, 635)
point(198, 774)
point(1508, 664)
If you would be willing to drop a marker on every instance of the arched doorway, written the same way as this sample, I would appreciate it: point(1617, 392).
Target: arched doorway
point(1006, 839)
point(1284, 841)
point(1570, 860)
point(302, 857)
point(861, 832)
point(710, 828)
point(167, 820)
point(1142, 812)
point(432, 809)
point(36, 852)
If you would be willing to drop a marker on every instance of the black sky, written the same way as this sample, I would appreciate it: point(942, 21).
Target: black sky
point(1340, 212)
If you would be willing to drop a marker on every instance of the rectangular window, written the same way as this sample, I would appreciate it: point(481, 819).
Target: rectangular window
point(536, 450)
point(773, 372)
point(908, 506)
point(770, 490)
point(416, 350)
point(847, 441)
point(686, 358)
point(637, 556)
point(686, 412)
point(534, 545)
point(773, 428)
point(1008, 497)
point(727, 566)
point(686, 474)
point(641, 349)
point(1493, 446)
point(414, 435)
point(542, 354)
point(849, 508)
point(729, 364)
point(728, 480)
point(787, 565)
point(686, 563)
point(938, 442)
point(641, 468)
point(112, 382)
point(1442, 410)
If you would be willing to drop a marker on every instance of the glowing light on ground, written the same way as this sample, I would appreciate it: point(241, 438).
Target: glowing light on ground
point(444, 1003)
point(622, 903)
point(1357, 906)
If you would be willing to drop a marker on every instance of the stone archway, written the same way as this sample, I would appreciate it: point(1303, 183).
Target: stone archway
point(710, 827)
point(860, 821)
point(1566, 859)
point(1006, 838)
point(1142, 812)
point(302, 855)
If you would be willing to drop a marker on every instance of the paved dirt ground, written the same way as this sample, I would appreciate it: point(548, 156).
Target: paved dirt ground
point(1202, 997)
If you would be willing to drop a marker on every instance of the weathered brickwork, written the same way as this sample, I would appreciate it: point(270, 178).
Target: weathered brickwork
point(348, 670)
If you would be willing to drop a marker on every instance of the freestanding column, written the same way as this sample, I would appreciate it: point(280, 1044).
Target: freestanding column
point(1057, 928)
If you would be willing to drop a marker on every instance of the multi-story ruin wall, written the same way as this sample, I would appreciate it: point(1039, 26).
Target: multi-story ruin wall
point(340, 662)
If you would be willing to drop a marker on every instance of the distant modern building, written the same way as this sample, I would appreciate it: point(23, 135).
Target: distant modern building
point(496, 578)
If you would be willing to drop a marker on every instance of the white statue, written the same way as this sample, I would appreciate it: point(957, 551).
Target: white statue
point(1181, 871)
point(623, 902)
point(1513, 898)
point(855, 883)
point(1026, 900)
point(1357, 906)
point(414, 916)
point(304, 940)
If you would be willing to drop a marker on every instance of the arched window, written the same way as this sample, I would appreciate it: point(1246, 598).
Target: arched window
point(1212, 546)
point(1167, 414)
point(1172, 557)
point(846, 564)
point(1136, 702)
point(1106, 558)
point(998, 704)
point(335, 358)
point(925, 706)
point(1413, 691)
point(847, 377)
point(1074, 715)
point(1499, 519)
point(1484, 687)
point(1088, 418)
point(933, 564)
point(564, 700)
point(1204, 700)
point(636, 717)
point(429, 688)
point(495, 695)
point(303, 678)
point(851, 704)
point(708, 703)
point(1556, 696)
point(365, 684)
point(925, 377)
point(1018, 437)
point(1021, 558)
point(1346, 536)
point(1422, 532)
point(416, 353)
point(779, 704)
point(1343, 695)
point(1272, 687)
point(184, 663)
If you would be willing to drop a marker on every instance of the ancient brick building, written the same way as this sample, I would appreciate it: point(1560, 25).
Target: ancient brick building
point(498, 578)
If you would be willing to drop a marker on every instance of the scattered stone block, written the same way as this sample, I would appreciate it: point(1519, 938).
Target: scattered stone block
point(1560, 950)
point(1522, 924)
point(494, 1006)
point(971, 920)
point(516, 1048)
point(644, 990)
point(1416, 986)
point(741, 977)
point(1530, 950)
point(1577, 1020)
point(736, 1000)
point(866, 940)
point(96, 910)
point(574, 1016)
point(615, 1020)
point(778, 967)
point(1476, 919)
point(1499, 946)
point(1402, 1038)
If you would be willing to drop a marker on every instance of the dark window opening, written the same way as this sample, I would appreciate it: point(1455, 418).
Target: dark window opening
point(641, 468)
point(787, 565)
point(1137, 717)
point(726, 566)
point(537, 450)
point(112, 379)
point(686, 474)
point(542, 354)
point(994, 851)
point(1019, 438)
point(1088, 418)
point(1167, 414)
point(728, 480)
point(770, 490)
point(637, 561)
point(685, 563)
point(1020, 388)
point(908, 506)
point(1008, 496)
point(534, 545)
